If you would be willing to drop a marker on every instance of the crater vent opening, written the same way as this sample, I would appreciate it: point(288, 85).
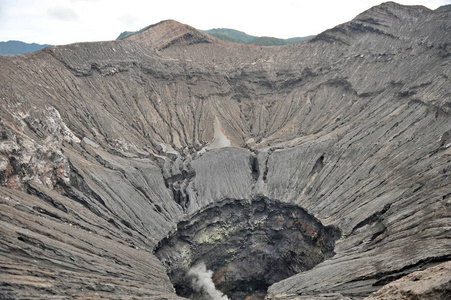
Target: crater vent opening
point(248, 245)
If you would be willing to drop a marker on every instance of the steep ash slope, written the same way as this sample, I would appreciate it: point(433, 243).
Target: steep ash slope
point(106, 148)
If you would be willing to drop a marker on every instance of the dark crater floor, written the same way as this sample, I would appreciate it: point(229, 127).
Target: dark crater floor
point(248, 245)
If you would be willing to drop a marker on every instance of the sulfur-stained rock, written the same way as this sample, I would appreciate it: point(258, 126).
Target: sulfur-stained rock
point(250, 244)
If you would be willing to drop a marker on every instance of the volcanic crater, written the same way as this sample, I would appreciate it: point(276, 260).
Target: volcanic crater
point(317, 170)
point(248, 244)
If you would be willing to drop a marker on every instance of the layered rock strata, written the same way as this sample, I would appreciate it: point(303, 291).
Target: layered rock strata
point(106, 147)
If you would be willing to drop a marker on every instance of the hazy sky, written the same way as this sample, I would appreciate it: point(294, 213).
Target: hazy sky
point(67, 21)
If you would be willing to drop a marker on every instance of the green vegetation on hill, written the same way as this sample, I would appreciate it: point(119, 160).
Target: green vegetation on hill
point(268, 41)
point(444, 7)
point(231, 35)
point(125, 34)
point(236, 36)
point(17, 47)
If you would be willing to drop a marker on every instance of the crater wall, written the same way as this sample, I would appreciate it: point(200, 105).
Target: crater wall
point(109, 150)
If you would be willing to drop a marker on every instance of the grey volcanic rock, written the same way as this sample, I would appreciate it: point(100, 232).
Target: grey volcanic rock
point(170, 33)
point(251, 243)
point(432, 283)
point(105, 148)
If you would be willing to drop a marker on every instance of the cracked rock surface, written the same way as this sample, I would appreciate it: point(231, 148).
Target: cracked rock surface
point(250, 244)
point(107, 148)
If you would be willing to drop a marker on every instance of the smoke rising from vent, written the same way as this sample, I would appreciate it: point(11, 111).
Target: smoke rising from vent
point(203, 283)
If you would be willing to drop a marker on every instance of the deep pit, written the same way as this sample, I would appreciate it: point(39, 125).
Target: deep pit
point(248, 245)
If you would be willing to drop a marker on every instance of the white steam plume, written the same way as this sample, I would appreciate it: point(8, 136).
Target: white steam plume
point(202, 282)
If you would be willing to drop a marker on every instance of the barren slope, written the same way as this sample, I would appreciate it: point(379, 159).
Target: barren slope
point(106, 147)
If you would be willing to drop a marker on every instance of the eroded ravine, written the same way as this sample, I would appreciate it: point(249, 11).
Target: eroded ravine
point(105, 147)
point(248, 244)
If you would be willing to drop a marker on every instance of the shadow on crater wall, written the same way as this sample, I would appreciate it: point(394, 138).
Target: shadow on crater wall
point(248, 245)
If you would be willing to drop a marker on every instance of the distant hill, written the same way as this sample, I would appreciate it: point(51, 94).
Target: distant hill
point(444, 7)
point(125, 34)
point(299, 39)
point(236, 36)
point(271, 41)
point(17, 47)
point(231, 35)
point(268, 41)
